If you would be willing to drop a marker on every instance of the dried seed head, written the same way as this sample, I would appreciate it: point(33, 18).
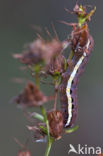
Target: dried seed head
point(24, 153)
point(40, 51)
point(56, 65)
point(31, 96)
point(52, 49)
point(55, 119)
point(33, 53)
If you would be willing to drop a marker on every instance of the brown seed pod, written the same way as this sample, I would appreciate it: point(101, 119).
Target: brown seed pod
point(23, 149)
point(55, 119)
point(31, 96)
point(52, 49)
point(56, 65)
point(40, 51)
point(24, 153)
point(32, 54)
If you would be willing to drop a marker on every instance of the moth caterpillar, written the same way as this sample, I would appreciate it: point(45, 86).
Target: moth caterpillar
point(81, 44)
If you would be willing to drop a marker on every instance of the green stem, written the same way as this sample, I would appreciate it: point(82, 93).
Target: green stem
point(37, 80)
point(50, 139)
point(45, 120)
point(50, 142)
point(55, 99)
point(36, 69)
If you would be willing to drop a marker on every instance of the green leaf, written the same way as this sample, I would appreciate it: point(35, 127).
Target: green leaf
point(38, 116)
point(44, 129)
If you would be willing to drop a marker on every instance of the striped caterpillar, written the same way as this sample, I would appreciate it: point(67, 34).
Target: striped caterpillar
point(81, 45)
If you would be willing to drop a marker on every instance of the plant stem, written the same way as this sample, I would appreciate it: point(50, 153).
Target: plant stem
point(36, 71)
point(37, 80)
point(50, 142)
point(45, 120)
point(50, 139)
point(55, 99)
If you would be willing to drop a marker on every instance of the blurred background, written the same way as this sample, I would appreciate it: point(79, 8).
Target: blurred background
point(17, 21)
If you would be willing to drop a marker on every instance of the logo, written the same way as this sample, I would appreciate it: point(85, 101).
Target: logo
point(84, 150)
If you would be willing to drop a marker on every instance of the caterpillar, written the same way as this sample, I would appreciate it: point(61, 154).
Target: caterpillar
point(81, 45)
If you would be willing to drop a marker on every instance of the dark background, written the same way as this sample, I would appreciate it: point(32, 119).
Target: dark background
point(16, 20)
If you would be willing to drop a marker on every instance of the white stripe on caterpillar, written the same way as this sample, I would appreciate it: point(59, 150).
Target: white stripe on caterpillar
point(69, 85)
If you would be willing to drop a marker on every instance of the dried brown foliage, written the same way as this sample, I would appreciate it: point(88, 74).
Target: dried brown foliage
point(40, 51)
point(31, 96)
